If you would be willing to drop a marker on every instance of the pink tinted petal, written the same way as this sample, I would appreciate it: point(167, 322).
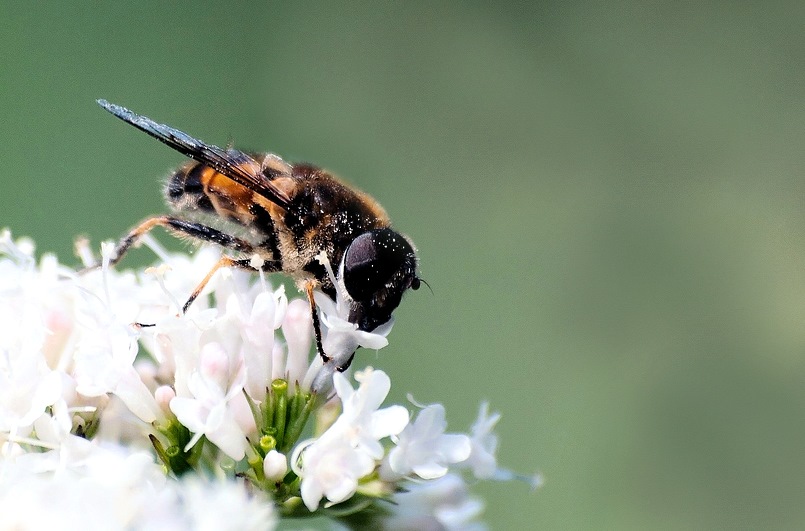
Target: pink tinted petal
point(214, 363)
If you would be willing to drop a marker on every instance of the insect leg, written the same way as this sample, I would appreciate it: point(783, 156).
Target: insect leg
point(226, 261)
point(316, 326)
point(345, 366)
point(199, 232)
point(188, 228)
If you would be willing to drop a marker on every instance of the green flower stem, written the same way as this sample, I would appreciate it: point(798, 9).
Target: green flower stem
point(268, 410)
point(298, 424)
point(256, 464)
point(279, 389)
point(297, 402)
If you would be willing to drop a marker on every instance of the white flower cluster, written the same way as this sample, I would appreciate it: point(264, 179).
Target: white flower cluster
point(118, 488)
point(105, 385)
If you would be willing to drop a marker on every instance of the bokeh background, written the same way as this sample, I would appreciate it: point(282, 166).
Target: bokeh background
point(608, 199)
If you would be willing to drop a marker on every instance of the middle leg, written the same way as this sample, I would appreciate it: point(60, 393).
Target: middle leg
point(226, 261)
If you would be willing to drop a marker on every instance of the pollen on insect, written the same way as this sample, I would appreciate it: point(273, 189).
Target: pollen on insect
point(257, 261)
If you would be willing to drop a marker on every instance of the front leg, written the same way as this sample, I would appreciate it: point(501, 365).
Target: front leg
point(314, 314)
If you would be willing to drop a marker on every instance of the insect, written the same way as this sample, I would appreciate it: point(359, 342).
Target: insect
point(291, 213)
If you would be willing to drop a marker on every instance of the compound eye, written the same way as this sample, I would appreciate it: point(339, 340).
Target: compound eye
point(371, 260)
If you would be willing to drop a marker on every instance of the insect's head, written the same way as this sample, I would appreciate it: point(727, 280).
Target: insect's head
point(378, 267)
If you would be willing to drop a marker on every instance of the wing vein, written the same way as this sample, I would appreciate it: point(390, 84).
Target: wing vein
point(230, 162)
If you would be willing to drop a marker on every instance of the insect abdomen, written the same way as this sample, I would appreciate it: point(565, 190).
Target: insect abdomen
point(185, 189)
point(196, 187)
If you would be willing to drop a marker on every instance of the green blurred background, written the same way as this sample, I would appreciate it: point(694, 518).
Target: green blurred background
point(608, 199)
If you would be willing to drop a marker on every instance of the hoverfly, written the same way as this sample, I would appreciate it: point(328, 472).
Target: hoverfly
point(291, 213)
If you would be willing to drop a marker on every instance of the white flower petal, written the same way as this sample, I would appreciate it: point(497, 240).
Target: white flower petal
point(312, 493)
point(133, 392)
point(370, 340)
point(298, 331)
point(190, 413)
point(454, 447)
point(260, 328)
point(484, 442)
point(275, 465)
point(429, 470)
point(228, 436)
point(425, 449)
point(388, 421)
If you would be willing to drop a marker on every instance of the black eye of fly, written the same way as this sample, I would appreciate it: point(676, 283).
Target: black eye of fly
point(371, 260)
